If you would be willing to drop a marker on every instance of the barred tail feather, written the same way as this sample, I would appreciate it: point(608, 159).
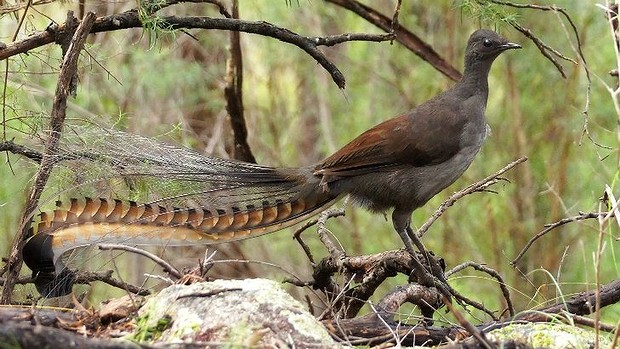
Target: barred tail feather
point(90, 221)
point(204, 200)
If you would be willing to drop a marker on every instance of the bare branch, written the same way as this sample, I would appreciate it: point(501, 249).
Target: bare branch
point(223, 11)
point(12, 147)
point(67, 74)
point(20, 5)
point(475, 332)
point(550, 227)
point(131, 19)
point(168, 268)
point(332, 40)
point(234, 96)
point(544, 48)
point(308, 224)
point(86, 277)
point(579, 304)
point(369, 330)
point(426, 298)
point(492, 272)
point(481, 185)
point(402, 35)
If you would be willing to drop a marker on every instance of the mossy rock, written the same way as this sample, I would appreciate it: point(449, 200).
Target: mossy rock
point(230, 313)
point(547, 335)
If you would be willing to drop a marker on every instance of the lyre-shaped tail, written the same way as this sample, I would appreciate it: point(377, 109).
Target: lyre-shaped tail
point(90, 221)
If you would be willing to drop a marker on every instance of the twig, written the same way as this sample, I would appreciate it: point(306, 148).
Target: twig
point(332, 40)
point(131, 19)
point(585, 321)
point(549, 227)
point(86, 277)
point(205, 265)
point(544, 48)
point(106, 277)
point(467, 325)
point(262, 28)
point(464, 300)
point(402, 35)
point(492, 272)
point(246, 261)
point(395, 23)
point(12, 147)
point(333, 249)
point(6, 69)
point(20, 5)
point(63, 89)
point(220, 7)
point(481, 185)
point(168, 268)
point(209, 293)
point(614, 342)
point(611, 204)
point(223, 11)
point(384, 323)
point(308, 224)
point(579, 304)
point(302, 243)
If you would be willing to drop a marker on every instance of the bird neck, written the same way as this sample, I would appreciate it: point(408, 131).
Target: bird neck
point(475, 77)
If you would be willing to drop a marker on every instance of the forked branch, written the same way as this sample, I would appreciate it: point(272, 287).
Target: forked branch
point(131, 19)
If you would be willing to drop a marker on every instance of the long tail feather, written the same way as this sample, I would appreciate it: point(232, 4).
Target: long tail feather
point(214, 200)
point(91, 221)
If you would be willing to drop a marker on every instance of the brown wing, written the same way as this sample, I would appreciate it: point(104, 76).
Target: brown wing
point(415, 139)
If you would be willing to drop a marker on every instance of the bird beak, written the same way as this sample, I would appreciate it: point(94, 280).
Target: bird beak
point(509, 46)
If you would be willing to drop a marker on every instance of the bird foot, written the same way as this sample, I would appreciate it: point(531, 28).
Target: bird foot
point(430, 275)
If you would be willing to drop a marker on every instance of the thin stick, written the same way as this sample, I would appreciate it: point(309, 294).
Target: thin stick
point(66, 76)
point(481, 185)
point(131, 19)
point(552, 226)
point(168, 268)
point(484, 342)
point(494, 274)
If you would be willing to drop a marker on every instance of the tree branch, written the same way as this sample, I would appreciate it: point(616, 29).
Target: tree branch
point(551, 226)
point(131, 19)
point(234, 96)
point(481, 185)
point(19, 149)
point(66, 77)
point(402, 35)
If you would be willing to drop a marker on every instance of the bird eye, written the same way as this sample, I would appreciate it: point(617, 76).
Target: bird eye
point(487, 43)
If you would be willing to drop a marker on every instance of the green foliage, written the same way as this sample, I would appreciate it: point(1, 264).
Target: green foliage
point(487, 12)
point(153, 25)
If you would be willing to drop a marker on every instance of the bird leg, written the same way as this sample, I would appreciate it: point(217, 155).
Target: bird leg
point(423, 275)
point(431, 278)
point(436, 269)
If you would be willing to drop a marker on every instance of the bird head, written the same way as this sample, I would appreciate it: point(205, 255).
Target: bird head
point(485, 44)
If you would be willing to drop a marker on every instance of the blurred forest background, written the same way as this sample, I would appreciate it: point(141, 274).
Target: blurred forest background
point(169, 85)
